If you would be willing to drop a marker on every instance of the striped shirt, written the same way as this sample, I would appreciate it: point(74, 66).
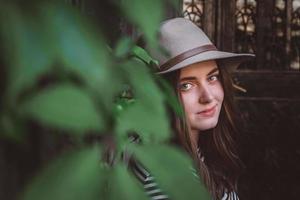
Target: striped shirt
point(230, 196)
point(150, 186)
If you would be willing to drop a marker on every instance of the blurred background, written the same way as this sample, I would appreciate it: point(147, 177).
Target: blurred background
point(269, 101)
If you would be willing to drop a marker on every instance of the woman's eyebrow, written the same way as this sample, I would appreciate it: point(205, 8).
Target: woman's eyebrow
point(188, 78)
point(212, 71)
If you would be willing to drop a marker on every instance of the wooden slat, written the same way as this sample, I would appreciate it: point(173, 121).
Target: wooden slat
point(270, 99)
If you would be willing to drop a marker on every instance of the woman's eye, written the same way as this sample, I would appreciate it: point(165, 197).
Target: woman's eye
point(185, 86)
point(213, 78)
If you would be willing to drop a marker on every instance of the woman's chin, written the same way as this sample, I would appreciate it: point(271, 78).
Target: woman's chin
point(205, 125)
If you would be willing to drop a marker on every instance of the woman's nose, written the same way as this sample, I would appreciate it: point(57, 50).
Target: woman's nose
point(205, 95)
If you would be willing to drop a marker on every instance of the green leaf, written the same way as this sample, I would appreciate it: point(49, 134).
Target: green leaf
point(82, 50)
point(123, 47)
point(123, 185)
point(143, 55)
point(151, 126)
point(147, 14)
point(26, 48)
point(171, 97)
point(149, 105)
point(172, 169)
point(78, 48)
point(64, 106)
point(74, 176)
point(121, 105)
point(143, 85)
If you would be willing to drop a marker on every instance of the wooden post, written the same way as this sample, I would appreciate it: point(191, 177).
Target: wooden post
point(288, 32)
point(264, 28)
point(218, 23)
point(226, 24)
point(209, 21)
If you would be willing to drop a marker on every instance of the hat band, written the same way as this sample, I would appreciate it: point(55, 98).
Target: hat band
point(185, 55)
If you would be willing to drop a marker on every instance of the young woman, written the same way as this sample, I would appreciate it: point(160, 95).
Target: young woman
point(199, 74)
point(208, 129)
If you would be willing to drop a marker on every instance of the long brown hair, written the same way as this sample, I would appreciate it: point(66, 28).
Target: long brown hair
point(215, 153)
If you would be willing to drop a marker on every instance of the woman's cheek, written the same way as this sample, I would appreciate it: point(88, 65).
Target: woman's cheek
point(218, 92)
point(189, 99)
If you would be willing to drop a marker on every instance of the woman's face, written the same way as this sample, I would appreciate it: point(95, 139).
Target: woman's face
point(202, 94)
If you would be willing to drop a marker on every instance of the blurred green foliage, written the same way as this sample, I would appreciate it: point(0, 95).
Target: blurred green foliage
point(74, 175)
point(64, 106)
point(111, 92)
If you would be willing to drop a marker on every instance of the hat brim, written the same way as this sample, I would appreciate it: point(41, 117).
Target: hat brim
point(230, 60)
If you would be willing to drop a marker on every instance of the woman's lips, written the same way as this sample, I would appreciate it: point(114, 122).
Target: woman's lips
point(208, 112)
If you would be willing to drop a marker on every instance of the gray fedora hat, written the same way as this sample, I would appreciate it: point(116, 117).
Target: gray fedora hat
point(187, 44)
